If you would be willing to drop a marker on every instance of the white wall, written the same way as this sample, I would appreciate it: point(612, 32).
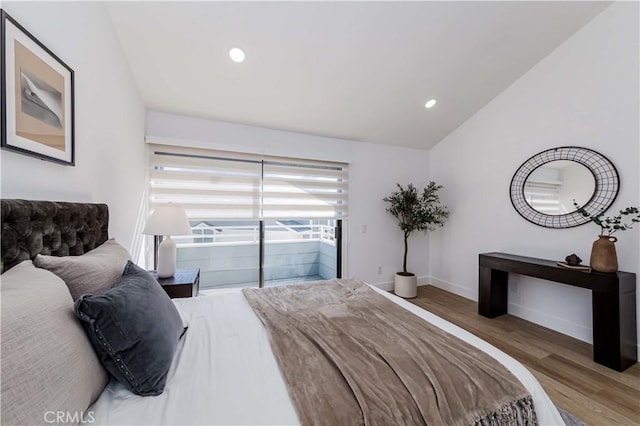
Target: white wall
point(374, 171)
point(109, 114)
point(584, 93)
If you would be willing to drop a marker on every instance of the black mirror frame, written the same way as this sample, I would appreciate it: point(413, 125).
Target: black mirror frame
point(606, 188)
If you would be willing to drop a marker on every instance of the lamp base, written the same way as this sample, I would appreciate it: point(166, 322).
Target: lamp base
point(166, 258)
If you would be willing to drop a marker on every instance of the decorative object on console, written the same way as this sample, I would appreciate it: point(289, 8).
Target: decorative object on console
point(544, 186)
point(37, 97)
point(603, 254)
point(414, 213)
point(603, 250)
point(167, 220)
point(575, 267)
point(573, 262)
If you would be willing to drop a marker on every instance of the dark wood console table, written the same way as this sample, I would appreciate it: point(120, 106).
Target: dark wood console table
point(613, 301)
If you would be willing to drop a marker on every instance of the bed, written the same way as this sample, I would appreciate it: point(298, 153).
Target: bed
point(224, 370)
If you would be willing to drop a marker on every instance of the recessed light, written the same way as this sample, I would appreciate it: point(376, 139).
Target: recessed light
point(236, 54)
point(430, 103)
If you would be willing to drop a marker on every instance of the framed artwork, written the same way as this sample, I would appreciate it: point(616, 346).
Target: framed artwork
point(37, 97)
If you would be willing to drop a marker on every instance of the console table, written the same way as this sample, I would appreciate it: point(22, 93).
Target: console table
point(613, 301)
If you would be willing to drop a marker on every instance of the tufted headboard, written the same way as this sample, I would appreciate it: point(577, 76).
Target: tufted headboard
point(47, 227)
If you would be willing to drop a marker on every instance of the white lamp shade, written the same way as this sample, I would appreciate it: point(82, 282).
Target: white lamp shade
point(167, 220)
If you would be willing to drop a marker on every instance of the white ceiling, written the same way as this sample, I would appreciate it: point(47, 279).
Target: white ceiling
point(354, 70)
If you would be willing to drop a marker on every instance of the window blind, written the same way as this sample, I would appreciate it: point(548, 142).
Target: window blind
point(223, 185)
point(298, 189)
point(208, 184)
point(544, 198)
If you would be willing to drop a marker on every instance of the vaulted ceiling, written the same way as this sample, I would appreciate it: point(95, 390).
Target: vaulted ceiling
point(353, 70)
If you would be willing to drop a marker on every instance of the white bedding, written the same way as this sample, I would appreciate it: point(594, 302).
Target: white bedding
point(224, 372)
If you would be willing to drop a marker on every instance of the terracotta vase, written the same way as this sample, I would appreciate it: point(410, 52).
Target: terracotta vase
point(603, 254)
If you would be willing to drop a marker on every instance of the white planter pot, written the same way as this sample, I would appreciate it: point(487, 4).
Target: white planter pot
point(406, 285)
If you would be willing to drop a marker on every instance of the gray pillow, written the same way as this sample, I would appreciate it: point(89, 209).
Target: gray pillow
point(91, 273)
point(134, 328)
point(48, 364)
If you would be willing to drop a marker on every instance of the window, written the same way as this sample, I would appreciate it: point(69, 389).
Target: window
point(304, 189)
point(544, 198)
point(256, 220)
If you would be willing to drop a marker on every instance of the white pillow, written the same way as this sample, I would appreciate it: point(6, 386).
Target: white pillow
point(48, 364)
point(94, 272)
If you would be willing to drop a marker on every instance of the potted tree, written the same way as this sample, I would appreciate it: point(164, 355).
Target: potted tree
point(414, 212)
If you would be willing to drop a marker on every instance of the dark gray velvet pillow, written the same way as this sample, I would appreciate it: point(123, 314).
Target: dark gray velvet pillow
point(134, 328)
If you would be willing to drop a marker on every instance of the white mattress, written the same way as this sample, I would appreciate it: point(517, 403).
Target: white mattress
point(224, 372)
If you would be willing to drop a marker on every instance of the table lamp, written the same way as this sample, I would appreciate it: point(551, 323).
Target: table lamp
point(167, 220)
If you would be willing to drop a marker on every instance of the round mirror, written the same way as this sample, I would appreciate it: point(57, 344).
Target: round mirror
point(552, 187)
point(544, 187)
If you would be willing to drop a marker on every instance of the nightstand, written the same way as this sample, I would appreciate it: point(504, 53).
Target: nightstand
point(184, 283)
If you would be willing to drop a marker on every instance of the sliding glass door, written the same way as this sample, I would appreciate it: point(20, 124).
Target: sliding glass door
point(299, 251)
point(255, 220)
point(238, 254)
point(227, 253)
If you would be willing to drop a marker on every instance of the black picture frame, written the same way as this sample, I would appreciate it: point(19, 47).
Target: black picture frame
point(38, 97)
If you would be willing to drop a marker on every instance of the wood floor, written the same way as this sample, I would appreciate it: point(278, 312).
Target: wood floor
point(563, 365)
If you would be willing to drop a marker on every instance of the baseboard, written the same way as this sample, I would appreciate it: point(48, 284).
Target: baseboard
point(453, 288)
point(560, 325)
point(388, 285)
point(423, 280)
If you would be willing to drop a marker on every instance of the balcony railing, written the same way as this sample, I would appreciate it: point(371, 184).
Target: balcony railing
point(228, 255)
point(204, 234)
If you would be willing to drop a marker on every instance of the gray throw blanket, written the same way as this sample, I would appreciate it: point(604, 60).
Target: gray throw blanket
point(350, 356)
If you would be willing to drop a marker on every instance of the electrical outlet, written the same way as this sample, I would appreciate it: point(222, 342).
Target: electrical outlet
point(379, 270)
point(363, 229)
point(514, 287)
